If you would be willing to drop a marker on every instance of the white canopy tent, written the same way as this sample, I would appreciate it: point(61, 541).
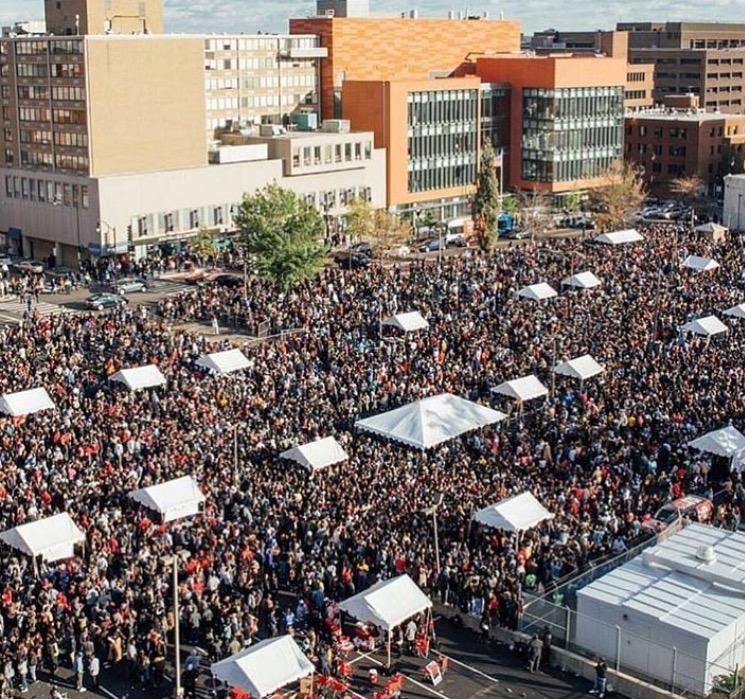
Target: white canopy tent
point(538, 292)
point(388, 604)
point(619, 237)
point(712, 227)
point(141, 377)
point(708, 326)
point(736, 311)
point(727, 441)
point(52, 538)
point(583, 280)
point(700, 264)
point(316, 455)
point(525, 388)
point(173, 499)
point(430, 421)
point(515, 514)
point(581, 368)
point(407, 322)
point(224, 362)
point(26, 402)
point(265, 667)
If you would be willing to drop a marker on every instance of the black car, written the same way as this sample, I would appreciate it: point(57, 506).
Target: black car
point(363, 248)
point(349, 259)
point(231, 281)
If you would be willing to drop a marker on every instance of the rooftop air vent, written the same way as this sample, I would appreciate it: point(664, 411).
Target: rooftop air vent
point(705, 553)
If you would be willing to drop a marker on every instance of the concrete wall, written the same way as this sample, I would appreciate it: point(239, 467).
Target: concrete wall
point(734, 202)
point(146, 104)
point(123, 16)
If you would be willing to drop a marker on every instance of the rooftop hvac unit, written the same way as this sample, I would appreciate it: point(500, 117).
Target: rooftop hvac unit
point(336, 126)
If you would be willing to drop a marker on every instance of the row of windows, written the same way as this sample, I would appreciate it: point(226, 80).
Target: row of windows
point(59, 116)
point(634, 77)
point(62, 161)
point(260, 63)
point(586, 167)
point(36, 48)
point(441, 107)
point(327, 154)
point(261, 81)
point(222, 215)
point(437, 176)
point(56, 70)
point(58, 193)
point(635, 94)
point(259, 44)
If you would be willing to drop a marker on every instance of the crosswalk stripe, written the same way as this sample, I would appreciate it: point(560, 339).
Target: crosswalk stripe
point(42, 308)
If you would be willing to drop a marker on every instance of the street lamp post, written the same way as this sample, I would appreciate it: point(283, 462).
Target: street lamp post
point(433, 511)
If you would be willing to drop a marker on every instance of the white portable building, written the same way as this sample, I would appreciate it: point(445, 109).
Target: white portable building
point(583, 280)
point(700, 264)
point(515, 514)
point(538, 292)
point(708, 326)
point(676, 613)
point(52, 538)
point(584, 367)
point(407, 322)
point(619, 237)
point(525, 388)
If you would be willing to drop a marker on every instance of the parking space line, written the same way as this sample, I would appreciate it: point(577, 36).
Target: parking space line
point(421, 685)
point(108, 693)
point(471, 668)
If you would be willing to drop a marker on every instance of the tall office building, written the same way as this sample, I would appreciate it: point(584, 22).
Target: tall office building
point(706, 59)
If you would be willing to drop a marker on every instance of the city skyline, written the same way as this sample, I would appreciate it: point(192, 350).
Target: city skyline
point(536, 15)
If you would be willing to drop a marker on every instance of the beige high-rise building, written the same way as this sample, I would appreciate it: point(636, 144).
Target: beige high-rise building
point(76, 17)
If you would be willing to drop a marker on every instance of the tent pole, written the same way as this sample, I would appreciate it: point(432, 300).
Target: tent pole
point(389, 649)
point(177, 639)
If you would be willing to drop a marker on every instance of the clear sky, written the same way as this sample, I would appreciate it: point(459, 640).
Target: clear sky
point(271, 15)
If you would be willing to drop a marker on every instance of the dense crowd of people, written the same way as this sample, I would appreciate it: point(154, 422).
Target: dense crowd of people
point(602, 456)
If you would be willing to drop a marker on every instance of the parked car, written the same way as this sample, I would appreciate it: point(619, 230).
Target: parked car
point(363, 247)
point(455, 240)
point(514, 234)
point(28, 266)
point(98, 302)
point(349, 259)
point(694, 507)
point(433, 245)
point(130, 285)
point(231, 281)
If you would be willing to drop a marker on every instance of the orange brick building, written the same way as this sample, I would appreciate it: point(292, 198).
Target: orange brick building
point(430, 130)
point(391, 48)
point(566, 117)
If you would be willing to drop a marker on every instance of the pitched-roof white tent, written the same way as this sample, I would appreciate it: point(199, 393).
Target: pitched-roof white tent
point(430, 421)
point(711, 227)
point(140, 377)
point(173, 499)
point(678, 609)
point(708, 326)
point(52, 538)
point(407, 322)
point(619, 237)
point(515, 514)
point(581, 368)
point(26, 402)
point(737, 311)
point(388, 603)
point(316, 455)
point(583, 280)
point(525, 388)
point(727, 441)
point(538, 292)
point(700, 264)
point(265, 667)
point(224, 362)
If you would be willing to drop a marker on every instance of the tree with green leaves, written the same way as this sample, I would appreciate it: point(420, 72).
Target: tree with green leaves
point(203, 244)
point(486, 204)
point(283, 234)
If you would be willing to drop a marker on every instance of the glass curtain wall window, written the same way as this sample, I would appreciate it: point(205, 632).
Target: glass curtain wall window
point(571, 133)
point(442, 139)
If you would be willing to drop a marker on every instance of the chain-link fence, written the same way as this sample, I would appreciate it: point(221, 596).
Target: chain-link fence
point(637, 653)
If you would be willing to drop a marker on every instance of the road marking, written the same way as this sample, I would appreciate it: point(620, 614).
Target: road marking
point(471, 668)
point(423, 686)
point(109, 694)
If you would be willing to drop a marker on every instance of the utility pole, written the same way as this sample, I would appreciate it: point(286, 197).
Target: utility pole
point(177, 636)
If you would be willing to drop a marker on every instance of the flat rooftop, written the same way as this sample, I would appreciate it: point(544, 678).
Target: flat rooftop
point(670, 584)
point(682, 115)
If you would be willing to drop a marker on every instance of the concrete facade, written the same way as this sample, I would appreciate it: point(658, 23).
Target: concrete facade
point(734, 202)
point(76, 17)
